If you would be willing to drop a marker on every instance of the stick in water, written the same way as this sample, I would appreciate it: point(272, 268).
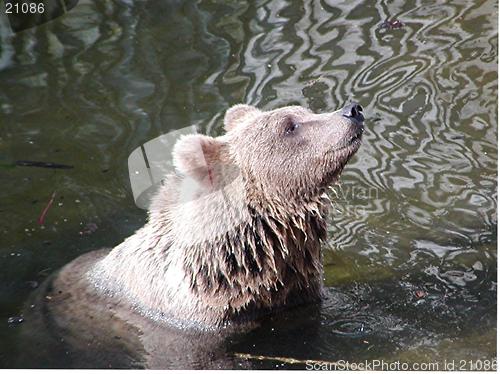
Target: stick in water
point(291, 360)
point(41, 219)
point(42, 164)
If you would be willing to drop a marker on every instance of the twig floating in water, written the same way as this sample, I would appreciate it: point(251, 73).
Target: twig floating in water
point(42, 164)
point(41, 219)
point(291, 360)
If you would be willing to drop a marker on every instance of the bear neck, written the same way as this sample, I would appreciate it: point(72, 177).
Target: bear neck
point(270, 259)
point(273, 259)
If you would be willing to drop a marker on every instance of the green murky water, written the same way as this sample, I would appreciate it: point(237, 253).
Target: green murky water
point(412, 261)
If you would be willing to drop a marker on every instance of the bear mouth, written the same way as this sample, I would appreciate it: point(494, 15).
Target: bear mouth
point(341, 156)
point(354, 141)
point(356, 138)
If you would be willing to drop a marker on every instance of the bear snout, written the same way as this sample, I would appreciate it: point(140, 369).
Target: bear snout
point(349, 133)
point(353, 111)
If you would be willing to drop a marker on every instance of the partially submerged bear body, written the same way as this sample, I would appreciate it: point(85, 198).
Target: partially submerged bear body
point(235, 233)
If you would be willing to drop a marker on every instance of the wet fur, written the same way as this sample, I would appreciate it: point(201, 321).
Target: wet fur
point(184, 267)
point(181, 269)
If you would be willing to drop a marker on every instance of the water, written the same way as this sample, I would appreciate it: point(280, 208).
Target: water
point(411, 264)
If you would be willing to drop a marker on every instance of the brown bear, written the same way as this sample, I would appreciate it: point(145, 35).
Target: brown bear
point(234, 233)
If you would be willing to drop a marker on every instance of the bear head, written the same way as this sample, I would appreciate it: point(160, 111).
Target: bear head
point(284, 156)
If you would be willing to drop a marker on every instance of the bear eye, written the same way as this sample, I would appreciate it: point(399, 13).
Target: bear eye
point(291, 127)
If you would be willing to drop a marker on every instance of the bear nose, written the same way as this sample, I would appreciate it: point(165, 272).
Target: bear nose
point(354, 111)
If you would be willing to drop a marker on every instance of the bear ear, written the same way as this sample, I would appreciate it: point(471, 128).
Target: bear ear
point(197, 156)
point(235, 114)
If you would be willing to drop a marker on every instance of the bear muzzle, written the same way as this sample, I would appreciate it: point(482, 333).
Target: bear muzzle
point(352, 125)
point(354, 112)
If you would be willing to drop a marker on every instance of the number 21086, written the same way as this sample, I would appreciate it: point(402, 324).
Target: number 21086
point(24, 8)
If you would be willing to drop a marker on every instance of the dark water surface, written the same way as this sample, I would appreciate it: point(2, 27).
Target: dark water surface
point(411, 265)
